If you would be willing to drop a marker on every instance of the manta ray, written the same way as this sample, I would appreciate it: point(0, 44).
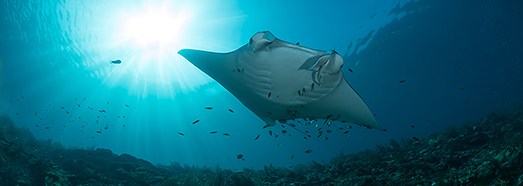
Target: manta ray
point(281, 81)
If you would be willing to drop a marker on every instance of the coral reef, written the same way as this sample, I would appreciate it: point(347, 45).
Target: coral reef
point(485, 152)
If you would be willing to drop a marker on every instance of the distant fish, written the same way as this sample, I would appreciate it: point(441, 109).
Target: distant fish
point(208, 108)
point(126, 105)
point(350, 70)
point(226, 134)
point(415, 139)
point(256, 138)
point(78, 105)
point(284, 131)
point(181, 134)
point(62, 107)
point(308, 151)
point(240, 157)
point(292, 157)
point(85, 98)
point(98, 131)
point(346, 132)
point(269, 95)
point(265, 126)
point(102, 111)
point(270, 132)
point(402, 81)
point(116, 61)
point(213, 132)
point(196, 121)
point(230, 110)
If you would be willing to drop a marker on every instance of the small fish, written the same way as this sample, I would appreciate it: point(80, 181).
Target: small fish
point(46, 127)
point(116, 61)
point(126, 105)
point(269, 95)
point(312, 86)
point(265, 126)
point(213, 132)
point(208, 108)
point(79, 105)
point(62, 107)
point(292, 157)
point(346, 132)
point(85, 98)
point(284, 131)
point(107, 102)
point(36, 113)
point(350, 70)
point(240, 156)
point(67, 112)
point(298, 43)
point(270, 132)
point(98, 131)
point(326, 138)
point(308, 151)
point(412, 126)
point(226, 134)
point(415, 139)
point(123, 116)
point(196, 121)
point(256, 138)
point(402, 81)
point(181, 134)
point(230, 110)
point(102, 111)
point(329, 131)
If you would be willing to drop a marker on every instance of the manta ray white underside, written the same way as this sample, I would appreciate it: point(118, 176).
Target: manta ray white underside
point(280, 81)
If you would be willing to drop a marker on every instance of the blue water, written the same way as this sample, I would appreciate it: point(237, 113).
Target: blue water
point(459, 60)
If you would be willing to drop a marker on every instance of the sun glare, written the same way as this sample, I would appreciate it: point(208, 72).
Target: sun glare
point(155, 28)
point(145, 37)
point(150, 37)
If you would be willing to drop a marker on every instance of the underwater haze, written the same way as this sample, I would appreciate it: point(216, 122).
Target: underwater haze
point(107, 74)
